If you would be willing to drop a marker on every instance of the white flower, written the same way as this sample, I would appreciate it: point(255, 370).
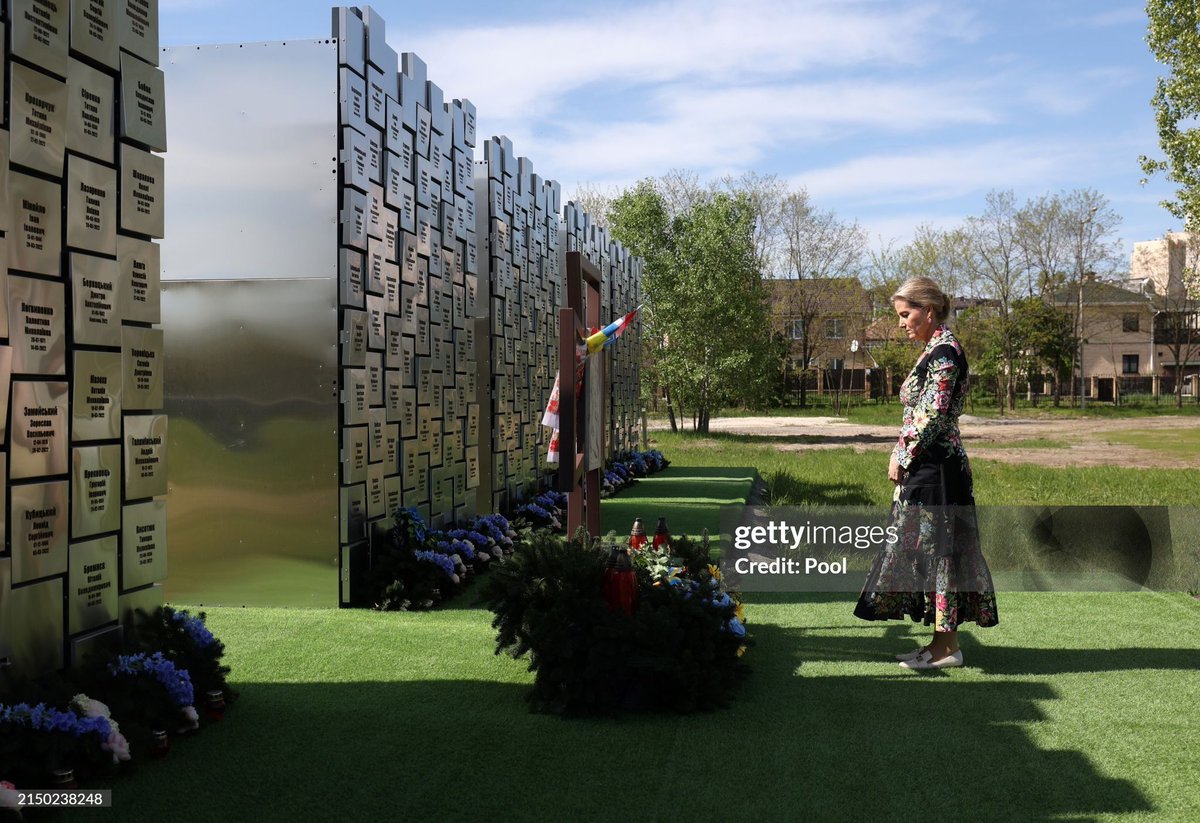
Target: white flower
point(8, 797)
point(191, 718)
point(117, 744)
point(90, 707)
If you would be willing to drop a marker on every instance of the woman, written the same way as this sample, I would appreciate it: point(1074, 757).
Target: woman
point(933, 571)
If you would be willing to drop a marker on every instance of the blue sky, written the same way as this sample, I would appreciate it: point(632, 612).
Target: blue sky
point(891, 113)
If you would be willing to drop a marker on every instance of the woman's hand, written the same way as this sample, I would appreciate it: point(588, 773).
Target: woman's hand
point(895, 472)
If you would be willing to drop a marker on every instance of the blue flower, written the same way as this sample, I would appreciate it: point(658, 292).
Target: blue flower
point(736, 628)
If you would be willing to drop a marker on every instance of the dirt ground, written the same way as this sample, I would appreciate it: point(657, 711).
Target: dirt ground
point(985, 438)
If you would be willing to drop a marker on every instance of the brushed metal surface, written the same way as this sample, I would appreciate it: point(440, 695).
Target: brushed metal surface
point(146, 600)
point(38, 120)
point(251, 390)
point(38, 445)
point(143, 111)
point(137, 22)
point(96, 383)
point(350, 32)
point(91, 103)
point(96, 299)
point(141, 272)
point(37, 524)
point(39, 33)
point(142, 187)
point(354, 454)
point(144, 543)
point(144, 364)
point(95, 491)
point(37, 326)
point(5, 394)
point(6, 209)
point(31, 627)
point(35, 218)
point(145, 455)
point(94, 32)
point(92, 584)
point(268, 147)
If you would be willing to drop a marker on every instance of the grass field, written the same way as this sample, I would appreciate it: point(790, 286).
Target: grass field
point(1075, 707)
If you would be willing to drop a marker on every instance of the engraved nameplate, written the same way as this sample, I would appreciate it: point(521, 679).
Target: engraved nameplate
point(37, 322)
point(142, 352)
point(141, 274)
point(95, 490)
point(145, 455)
point(91, 206)
point(143, 117)
point(137, 21)
point(141, 191)
point(39, 33)
point(39, 445)
point(144, 543)
point(35, 241)
point(38, 528)
point(94, 30)
point(90, 106)
point(96, 396)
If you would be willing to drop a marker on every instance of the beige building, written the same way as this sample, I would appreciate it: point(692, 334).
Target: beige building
point(1157, 266)
point(1117, 329)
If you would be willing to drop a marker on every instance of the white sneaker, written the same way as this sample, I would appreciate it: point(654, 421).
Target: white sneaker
point(925, 661)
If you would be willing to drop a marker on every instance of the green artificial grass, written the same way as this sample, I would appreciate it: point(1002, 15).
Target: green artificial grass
point(1077, 706)
point(689, 497)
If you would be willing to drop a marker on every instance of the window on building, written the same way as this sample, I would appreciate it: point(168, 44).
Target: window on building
point(1129, 363)
point(1129, 322)
point(797, 328)
point(836, 363)
point(833, 328)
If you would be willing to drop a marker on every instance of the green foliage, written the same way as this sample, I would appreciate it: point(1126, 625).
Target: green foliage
point(1174, 39)
point(672, 653)
point(185, 641)
point(1049, 334)
point(706, 305)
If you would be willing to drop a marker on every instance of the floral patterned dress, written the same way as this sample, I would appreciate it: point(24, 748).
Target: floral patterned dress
point(932, 570)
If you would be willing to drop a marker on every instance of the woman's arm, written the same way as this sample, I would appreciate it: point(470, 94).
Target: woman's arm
point(931, 418)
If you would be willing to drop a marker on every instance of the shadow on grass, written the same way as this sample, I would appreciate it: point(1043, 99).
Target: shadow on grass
point(796, 744)
point(785, 489)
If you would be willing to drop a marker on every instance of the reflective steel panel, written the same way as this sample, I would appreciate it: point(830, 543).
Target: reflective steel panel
point(353, 512)
point(91, 206)
point(393, 496)
point(144, 543)
point(351, 282)
point(146, 600)
point(376, 320)
point(376, 506)
point(96, 293)
point(354, 454)
point(143, 116)
point(38, 119)
point(90, 106)
point(142, 352)
point(141, 191)
point(269, 146)
point(96, 395)
point(353, 219)
point(138, 24)
point(377, 97)
point(375, 381)
point(38, 529)
point(140, 279)
point(354, 337)
point(391, 448)
point(95, 490)
point(349, 30)
point(94, 32)
point(375, 436)
point(352, 99)
point(32, 627)
point(354, 397)
point(35, 244)
point(39, 446)
point(145, 455)
point(355, 157)
point(92, 584)
point(39, 33)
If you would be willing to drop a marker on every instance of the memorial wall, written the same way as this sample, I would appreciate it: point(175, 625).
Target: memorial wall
point(84, 434)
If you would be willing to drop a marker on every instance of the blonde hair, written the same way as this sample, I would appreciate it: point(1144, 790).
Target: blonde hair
point(924, 293)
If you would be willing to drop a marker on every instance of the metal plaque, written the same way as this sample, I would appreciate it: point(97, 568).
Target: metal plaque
point(352, 512)
point(141, 272)
point(348, 29)
point(375, 211)
point(146, 600)
point(90, 106)
point(144, 543)
point(354, 219)
point(6, 208)
point(138, 25)
point(35, 242)
point(96, 296)
point(376, 320)
point(39, 34)
point(95, 490)
point(142, 353)
point(375, 380)
point(354, 337)
point(38, 120)
point(38, 529)
point(141, 190)
point(355, 159)
point(145, 455)
point(375, 436)
point(31, 626)
point(143, 115)
point(393, 342)
point(37, 326)
point(376, 256)
point(91, 206)
point(393, 395)
point(472, 453)
point(94, 30)
point(5, 394)
point(354, 454)
point(96, 396)
point(39, 446)
point(92, 583)
point(376, 507)
point(351, 282)
point(377, 97)
point(354, 397)
point(352, 99)
point(391, 448)
point(393, 496)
